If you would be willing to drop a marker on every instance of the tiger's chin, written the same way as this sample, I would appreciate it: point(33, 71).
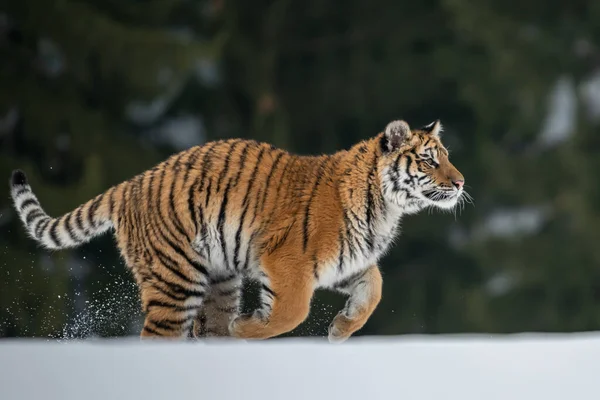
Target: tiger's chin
point(446, 204)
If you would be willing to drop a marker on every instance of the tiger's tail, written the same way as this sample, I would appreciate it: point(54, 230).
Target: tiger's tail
point(72, 229)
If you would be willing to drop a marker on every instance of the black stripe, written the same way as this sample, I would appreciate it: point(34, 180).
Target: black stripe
point(264, 305)
point(255, 211)
point(53, 234)
point(198, 267)
point(273, 168)
point(149, 218)
point(79, 221)
point(92, 211)
point(221, 223)
point(111, 202)
point(164, 326)
point(174, 307)
point(245, 205)
point(34, 225)
point(307, 212)
point(192, 190)
point(291, 160)
point(139, 218)
point(22, 192)
point(167, 290)
point(222, 279)
point(369, 204)
point(192, 208)
point(164, 221)
point(268, 290)
point(409, 162)
point(29, 202)
point(348, 226)
point(149, 203)
point(158, 214)
point(247, 259)
point(281, 179)
point(208, 191)
point(358, 226)
point(225, 169)
point(174, 246)
point(223, 210)
point(238, 238)
point(341, 256)
point(199, 184)
point(32, 215)
point(242, 163)
point(172, 266)
point(346, 283)
point(176, 220)
point(315, 267)
point(179, 289)
point(191, 163)
point(396, 170)
point(133, 223)
point(39, 230)
point(174, 324)
point(69, 228)
point(152, 331)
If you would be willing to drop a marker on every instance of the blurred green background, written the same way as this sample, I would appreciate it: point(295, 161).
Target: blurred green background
point(93, 92)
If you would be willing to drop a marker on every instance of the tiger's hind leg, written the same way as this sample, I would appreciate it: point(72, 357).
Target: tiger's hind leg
point(220, 307)
point(171, 305)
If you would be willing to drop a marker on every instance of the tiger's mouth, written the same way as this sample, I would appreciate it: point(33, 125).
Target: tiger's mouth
point(442, 198)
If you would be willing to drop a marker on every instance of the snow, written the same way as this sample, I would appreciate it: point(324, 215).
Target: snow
point(181, 132)
point(529, 366)
point(590, 93)
point(560, 121)
point(509, 223)
point(501, 283)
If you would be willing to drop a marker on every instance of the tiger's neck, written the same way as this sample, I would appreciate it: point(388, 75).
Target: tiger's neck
point(368, 217)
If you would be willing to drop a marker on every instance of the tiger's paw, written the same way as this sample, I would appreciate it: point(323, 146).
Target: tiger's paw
point(341, 329)
point(248, 326)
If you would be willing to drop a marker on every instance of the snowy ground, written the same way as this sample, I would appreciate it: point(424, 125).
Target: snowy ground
point(544, 367)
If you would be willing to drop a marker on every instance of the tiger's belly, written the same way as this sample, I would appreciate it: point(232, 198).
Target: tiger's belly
point(331, 273)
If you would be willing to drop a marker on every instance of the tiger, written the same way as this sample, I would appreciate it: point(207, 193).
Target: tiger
point(195, 225)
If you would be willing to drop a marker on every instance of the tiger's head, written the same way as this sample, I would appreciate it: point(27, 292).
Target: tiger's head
point(416, 170)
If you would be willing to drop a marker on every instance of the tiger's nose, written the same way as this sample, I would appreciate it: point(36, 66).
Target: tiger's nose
point(458, 183)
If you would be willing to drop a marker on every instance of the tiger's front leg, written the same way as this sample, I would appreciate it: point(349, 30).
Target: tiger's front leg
point(365, 294)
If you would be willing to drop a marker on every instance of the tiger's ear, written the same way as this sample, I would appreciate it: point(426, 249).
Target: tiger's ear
point(434, 128)
point(396, 133)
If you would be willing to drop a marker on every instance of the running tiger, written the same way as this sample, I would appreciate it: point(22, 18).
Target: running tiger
point(193, 226)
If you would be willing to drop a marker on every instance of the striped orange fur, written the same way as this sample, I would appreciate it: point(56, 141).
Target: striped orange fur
point(191, 227)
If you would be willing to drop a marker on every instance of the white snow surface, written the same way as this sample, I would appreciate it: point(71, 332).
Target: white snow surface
point(481, 367)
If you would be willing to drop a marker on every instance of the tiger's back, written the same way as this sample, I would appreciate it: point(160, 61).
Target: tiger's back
point(224, 202)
